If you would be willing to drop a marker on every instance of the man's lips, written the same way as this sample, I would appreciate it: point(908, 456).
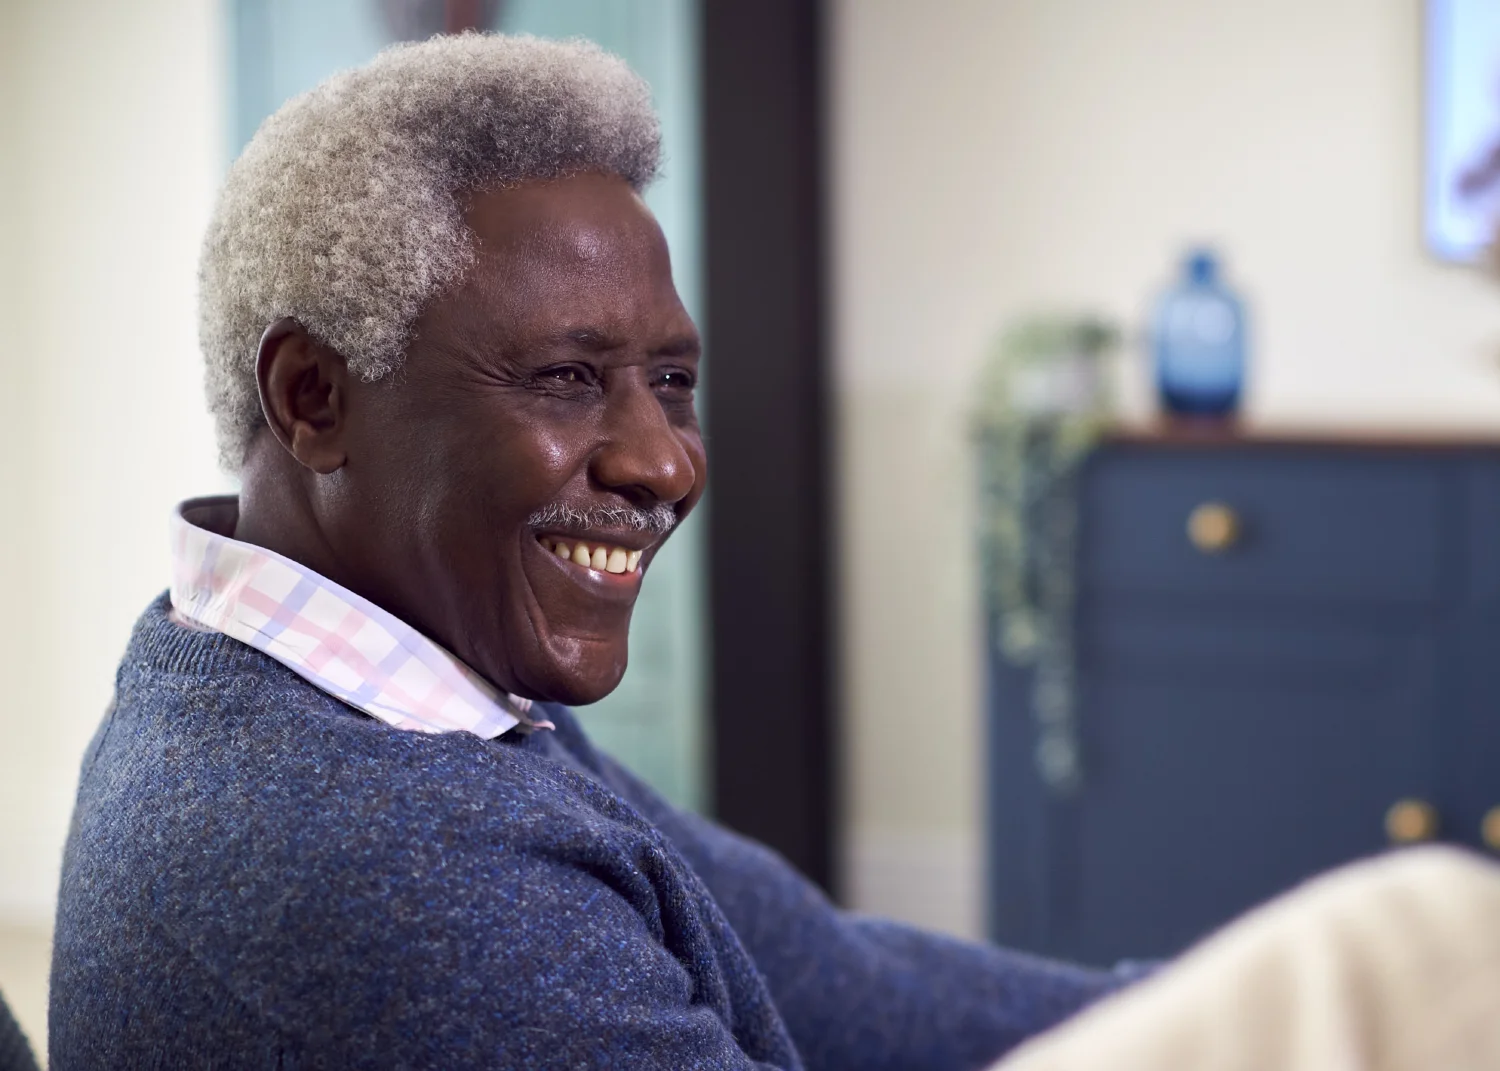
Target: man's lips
point(604, 553)
point(596, 554)
point(575, 593)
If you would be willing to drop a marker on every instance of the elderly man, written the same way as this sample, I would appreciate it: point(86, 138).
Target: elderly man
point(337, 814)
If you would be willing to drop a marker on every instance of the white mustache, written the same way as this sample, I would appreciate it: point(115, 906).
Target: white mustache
point(658, 519)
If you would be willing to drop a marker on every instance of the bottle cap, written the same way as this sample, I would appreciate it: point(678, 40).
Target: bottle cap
point(1201, 265)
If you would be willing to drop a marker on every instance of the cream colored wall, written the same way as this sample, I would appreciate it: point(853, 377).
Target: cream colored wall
point(995, 157)
point(989, 157)
point(22, 734)
point(112, 144)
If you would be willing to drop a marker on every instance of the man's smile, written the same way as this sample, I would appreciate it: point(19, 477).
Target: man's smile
point(567, 581)
point(606, 549)
point(598, 556)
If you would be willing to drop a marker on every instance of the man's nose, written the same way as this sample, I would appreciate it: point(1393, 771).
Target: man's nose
point(643, 458)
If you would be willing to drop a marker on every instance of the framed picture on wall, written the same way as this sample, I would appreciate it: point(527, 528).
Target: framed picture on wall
point(1462, 121)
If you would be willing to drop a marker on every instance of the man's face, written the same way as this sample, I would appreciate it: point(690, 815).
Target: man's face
point(545, 409)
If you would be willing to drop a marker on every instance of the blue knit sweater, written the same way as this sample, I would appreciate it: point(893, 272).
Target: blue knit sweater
point(259, 876)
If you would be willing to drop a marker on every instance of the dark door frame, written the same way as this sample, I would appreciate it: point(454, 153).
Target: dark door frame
point(769, 524)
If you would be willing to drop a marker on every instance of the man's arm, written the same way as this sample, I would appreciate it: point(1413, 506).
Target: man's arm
point(560, 971)
point(860, 992)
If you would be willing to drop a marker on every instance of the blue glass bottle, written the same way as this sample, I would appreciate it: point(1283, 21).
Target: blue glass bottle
point(1199, 341)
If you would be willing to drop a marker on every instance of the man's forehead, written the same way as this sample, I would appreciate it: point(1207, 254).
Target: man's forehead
point(583, 218)
point(582, 252)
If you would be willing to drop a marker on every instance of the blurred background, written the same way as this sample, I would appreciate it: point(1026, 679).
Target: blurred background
point(862, 196)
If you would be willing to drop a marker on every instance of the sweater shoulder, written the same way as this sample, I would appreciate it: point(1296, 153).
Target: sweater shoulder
point(217, 767)
point(206, 717)
point(237, 823)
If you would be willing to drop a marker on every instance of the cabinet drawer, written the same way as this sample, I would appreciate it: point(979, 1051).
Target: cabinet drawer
point(1343, 527)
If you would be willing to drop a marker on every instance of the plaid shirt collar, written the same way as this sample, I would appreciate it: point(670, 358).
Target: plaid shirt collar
point(338, 641)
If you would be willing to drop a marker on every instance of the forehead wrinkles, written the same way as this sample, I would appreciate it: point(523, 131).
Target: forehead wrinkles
point(557, 251)
point(578, 252)
point(575, 276)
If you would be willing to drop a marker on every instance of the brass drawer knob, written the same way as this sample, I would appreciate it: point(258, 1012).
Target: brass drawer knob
point(1213, 527)
point(1411, 821)
point(1489, 829)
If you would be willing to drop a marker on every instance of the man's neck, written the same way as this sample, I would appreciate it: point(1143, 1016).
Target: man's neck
point(277, 510)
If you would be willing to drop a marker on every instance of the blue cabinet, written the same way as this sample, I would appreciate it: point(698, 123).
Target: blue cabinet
point(1251, 707)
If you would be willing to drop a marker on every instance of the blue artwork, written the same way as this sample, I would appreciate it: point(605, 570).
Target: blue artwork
point(1463, 126)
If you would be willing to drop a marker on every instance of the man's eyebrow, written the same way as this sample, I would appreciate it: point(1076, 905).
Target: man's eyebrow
point(593, 338)
point(681, 346)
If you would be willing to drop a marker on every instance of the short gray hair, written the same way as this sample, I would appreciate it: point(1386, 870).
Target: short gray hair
point(344, 209)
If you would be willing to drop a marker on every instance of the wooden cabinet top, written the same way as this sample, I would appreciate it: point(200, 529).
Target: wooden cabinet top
point(1169, 433)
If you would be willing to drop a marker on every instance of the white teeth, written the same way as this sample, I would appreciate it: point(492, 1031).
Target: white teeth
point(602, 558)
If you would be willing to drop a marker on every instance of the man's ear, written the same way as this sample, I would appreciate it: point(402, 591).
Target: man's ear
point(303, 395)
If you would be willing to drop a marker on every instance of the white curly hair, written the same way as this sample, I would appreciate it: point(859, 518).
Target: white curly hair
point(344, 210)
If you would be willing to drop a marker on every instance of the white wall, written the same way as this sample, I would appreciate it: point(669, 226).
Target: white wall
point(111, 147)
point(995, 157)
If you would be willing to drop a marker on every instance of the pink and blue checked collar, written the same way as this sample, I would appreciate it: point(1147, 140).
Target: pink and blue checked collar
point(337, 640)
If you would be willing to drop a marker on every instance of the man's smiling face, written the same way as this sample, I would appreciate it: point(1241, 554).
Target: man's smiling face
point(543, 418)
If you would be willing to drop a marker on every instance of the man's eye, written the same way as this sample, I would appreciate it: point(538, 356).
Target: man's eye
point(565, 374)
point(677, 380)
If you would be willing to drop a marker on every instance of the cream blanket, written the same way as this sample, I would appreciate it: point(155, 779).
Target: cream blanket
point(1387, 965)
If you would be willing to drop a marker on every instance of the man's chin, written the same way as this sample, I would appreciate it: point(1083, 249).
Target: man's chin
point(574, 682)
